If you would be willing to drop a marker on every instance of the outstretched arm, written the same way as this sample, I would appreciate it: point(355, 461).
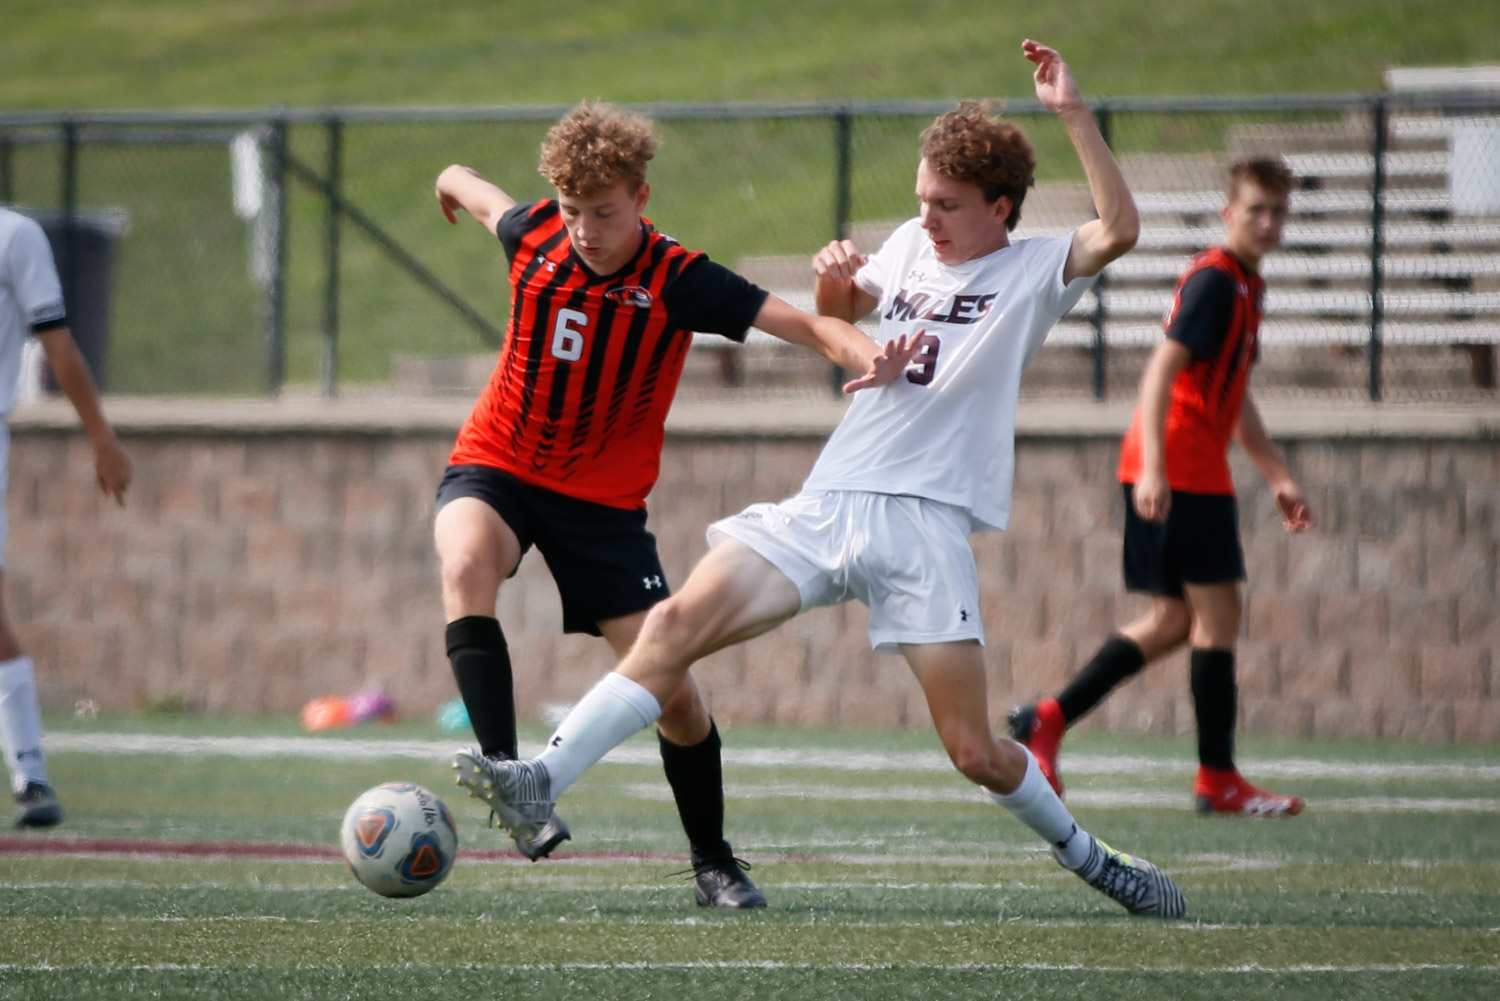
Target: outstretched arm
point(839, 341)
point(111, 463)
point(1101, 240)
point(1250, 432)
point(460, 187)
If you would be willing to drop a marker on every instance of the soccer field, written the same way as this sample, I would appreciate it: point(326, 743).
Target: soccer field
point(196, 864)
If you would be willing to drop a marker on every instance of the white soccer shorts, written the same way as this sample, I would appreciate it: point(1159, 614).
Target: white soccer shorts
point(907, 558)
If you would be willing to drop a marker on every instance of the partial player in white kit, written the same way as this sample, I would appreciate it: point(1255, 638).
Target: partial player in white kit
point(910, 472)
point(31, 304)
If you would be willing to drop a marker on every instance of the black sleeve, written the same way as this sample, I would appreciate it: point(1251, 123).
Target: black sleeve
point(512, 226)
point(1205, 307)
point(711, 299)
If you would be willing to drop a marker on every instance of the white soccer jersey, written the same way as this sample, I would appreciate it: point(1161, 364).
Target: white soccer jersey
point(30, 294)
point(947, 431)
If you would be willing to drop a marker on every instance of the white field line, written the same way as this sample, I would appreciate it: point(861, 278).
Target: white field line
point(1100, 798)
point(1177, 928)
point(1252, 968)
point(639, 753)
point(564, 874)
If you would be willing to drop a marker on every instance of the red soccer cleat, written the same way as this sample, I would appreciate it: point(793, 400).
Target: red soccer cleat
point(1217, 790)
point(1040, 728)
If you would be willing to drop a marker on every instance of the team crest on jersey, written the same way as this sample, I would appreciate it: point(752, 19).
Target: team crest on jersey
point(630, 295)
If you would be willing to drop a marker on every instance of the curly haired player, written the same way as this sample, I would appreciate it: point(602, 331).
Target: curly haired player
point(565, 441)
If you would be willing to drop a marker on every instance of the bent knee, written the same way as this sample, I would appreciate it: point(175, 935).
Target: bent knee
point(669, 622)
point(684, 712)
point(1174, 626)
point(975, 760)
point(470, 574)
point(994, 764)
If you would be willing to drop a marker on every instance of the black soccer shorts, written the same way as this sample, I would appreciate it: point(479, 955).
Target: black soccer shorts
point(602, 559)
point(1199, 543)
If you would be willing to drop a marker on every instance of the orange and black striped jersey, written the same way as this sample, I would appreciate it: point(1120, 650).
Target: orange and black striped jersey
point(579, 396)
point(1216, 312)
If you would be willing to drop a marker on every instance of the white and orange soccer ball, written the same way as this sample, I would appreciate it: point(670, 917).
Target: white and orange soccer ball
point(399, 839)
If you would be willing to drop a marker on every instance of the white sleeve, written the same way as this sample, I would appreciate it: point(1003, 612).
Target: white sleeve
point(34, 276)
point(1046, 259)
point(1044, 270)
point(875, 276)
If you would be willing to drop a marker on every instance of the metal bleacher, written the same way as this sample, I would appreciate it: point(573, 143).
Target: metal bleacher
point(1438, 277)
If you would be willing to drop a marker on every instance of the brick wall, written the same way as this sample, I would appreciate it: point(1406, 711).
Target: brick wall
point(257, 566)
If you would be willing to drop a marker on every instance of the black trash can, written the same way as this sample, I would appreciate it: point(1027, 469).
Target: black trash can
point(85, 253)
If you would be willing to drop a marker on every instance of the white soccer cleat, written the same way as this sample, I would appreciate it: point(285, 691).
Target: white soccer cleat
point(518, 791)
point(1133, 883)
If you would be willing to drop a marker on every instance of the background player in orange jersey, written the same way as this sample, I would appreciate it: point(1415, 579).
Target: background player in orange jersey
point(565, 441)
point(1182, 541)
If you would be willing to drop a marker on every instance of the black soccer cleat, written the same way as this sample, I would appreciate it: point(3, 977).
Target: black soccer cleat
point(720, 881)
point(37, 806)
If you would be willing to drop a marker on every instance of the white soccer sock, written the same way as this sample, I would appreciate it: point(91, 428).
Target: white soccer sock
point(610, 712)
point(1035, 804)
point(21, 723)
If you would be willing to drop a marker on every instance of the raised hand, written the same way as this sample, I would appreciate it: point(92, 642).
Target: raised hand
point(448, 181)
point(1055, 86)
point(449, 205)
point(838, 261)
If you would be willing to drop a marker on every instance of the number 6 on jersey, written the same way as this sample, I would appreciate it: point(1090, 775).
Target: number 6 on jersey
point(567, 336)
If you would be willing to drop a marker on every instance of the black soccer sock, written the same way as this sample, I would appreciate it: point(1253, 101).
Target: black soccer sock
point(481, 666)
point(1215, 700)
point(696, 776)
point(1119, 658)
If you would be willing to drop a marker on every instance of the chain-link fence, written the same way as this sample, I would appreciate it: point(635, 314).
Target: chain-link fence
point(303, 251)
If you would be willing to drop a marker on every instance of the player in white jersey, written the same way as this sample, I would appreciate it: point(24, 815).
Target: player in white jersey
point(31, 303)
point(910, 472)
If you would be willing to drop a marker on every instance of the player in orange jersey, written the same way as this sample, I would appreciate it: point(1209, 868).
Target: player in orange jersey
point(1182, 540)
point(565, 441)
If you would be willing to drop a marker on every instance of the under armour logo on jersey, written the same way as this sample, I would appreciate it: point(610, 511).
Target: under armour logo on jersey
point(630, 295)
point(550, 265)
point(963, 615)
point(652, 582)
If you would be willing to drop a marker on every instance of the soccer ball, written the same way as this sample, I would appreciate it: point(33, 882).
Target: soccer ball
point(399, 839)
